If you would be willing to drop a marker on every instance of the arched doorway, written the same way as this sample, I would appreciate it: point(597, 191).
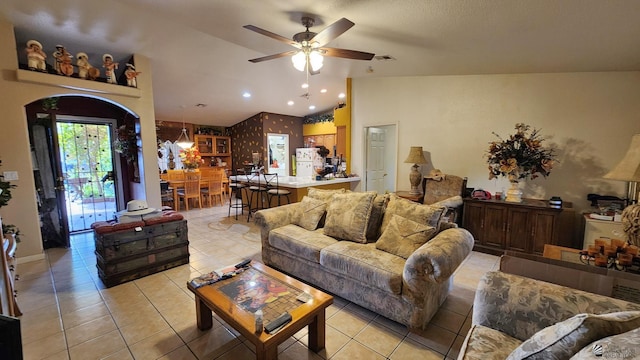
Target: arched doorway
point(79, 177)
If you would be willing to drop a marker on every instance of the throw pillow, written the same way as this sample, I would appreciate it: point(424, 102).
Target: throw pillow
point(309, 213)
point(375, 221)
point(323, 194)
point(423, 214)
point(348, 215)
point(566, 338)
point(403, 236)
point(623, 346)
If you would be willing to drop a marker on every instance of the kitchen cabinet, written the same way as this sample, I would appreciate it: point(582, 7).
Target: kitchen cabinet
point(326, 140)
point(212, 148)
point(524, 227)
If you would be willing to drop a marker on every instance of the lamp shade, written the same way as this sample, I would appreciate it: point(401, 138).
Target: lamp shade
point(416, 156)
point(628, 169)
point(299, 60)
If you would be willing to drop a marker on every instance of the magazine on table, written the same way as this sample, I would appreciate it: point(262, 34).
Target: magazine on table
point(219, 274)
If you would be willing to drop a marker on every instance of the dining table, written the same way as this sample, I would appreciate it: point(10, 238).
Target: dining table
point(204, 182)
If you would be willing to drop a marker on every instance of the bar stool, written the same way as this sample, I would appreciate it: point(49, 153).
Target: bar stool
point(257, 189)
point(273, 189)
point(236, 189)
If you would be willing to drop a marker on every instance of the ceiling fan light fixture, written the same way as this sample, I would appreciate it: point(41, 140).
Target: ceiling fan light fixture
point(299, 61)
point(315, 60)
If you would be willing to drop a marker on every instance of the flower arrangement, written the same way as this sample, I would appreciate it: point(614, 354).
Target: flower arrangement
point(126, 143)
point(190, 158)
point(520, 156)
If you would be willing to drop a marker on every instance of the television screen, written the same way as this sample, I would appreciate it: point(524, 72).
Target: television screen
point(10, 339)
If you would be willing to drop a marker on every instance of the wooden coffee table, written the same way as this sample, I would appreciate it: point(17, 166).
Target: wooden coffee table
point(236, 299)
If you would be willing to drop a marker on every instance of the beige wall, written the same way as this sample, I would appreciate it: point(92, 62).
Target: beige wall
point(14, 147)
point(589, 117)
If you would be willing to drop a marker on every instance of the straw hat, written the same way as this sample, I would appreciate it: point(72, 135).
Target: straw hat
point(137, 207)
point(34, 42)
point(81, 54)
point(436, 175)
point(105, 56)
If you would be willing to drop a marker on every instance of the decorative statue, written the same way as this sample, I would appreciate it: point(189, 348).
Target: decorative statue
point(131, 75)
point(63, 64)
point(110, 67)
point(85, 69)
point(36, 56)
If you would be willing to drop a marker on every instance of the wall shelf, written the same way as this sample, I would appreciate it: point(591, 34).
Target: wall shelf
point(76, 84)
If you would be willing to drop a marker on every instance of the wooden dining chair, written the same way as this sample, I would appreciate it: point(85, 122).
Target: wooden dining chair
point(191, 189)
point(214, 187)
point(175, 175)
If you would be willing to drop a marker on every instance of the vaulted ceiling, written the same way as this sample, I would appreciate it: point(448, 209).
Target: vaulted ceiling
point(199, 50)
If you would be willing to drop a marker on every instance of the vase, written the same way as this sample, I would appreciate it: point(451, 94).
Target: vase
point(514, 194)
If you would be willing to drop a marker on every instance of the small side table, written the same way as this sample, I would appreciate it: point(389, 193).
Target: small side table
point(407, 195)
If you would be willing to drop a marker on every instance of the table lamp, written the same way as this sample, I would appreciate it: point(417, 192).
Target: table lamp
point(628, 169)
point(415, 157)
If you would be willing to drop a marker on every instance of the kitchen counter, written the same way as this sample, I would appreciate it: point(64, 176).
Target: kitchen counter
point(299, 185)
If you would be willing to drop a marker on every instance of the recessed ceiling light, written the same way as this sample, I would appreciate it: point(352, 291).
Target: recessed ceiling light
point(312, 107)
point(246, 94)
point(341, 96)
point(323, 91)
point(290, 102)
point(305, 85)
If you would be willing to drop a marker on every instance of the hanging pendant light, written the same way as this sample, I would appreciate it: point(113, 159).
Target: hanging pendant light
point(183, 140)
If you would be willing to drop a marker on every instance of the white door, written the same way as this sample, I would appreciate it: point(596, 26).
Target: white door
point(379, 170)
point(278, 154)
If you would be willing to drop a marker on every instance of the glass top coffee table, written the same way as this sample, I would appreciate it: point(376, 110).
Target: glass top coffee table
point(260, 287)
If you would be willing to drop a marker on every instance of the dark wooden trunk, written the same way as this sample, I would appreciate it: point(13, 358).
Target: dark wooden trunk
point(131, 254)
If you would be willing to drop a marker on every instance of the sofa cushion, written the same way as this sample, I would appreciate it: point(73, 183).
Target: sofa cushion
point(564, 339)
point(423, 214)
point(323, 194)
point(309, 213)
point(403, 236)
point(348, 215)
point(484, 343)
point(365, 263)
point(301, 242)
point(622, 346)
point(375, 220)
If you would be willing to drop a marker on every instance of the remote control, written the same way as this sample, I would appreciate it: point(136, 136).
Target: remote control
point(243, 264)
point(278, 323)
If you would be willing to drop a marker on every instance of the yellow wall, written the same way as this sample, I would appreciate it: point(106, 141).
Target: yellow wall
point(342, 117)
point(15, 150)
point(322, 128)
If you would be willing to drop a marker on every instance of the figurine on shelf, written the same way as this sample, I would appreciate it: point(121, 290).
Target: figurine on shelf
point(36, 56)
point(63, 61)
point(85, 69)
point(131, 75)
point(110, 67)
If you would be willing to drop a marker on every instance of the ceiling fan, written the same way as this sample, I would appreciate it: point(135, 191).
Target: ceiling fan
point(310, 46)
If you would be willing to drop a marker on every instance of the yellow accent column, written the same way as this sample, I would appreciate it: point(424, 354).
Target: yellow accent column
point(342, 117)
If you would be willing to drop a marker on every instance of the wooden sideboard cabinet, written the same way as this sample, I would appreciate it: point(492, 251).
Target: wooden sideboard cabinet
point(526, 227)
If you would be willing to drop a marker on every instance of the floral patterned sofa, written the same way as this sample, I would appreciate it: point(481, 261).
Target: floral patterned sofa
point(515, 317)
point(387, 254)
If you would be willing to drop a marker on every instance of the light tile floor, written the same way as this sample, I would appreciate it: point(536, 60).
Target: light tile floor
point(69, 314)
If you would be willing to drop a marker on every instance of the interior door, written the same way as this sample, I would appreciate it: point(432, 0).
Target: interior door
point(49, 181)
point(380, 167)
point(278, 154)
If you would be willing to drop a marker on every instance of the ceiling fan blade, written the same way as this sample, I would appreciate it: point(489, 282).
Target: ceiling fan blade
point(332, 31)
point(274, 56)
point(272, 35)
point(347, 54)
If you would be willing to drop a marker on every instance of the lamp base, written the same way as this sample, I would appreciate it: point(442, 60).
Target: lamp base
point(631, 224)
point(415, 177)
